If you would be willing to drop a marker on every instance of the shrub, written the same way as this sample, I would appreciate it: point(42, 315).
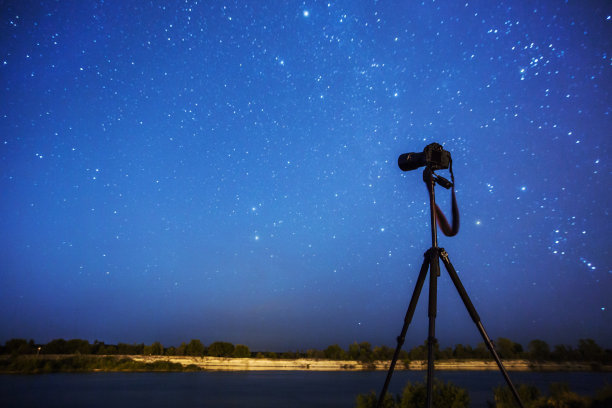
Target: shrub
point(559, 396)
point(445, 395)
point(603, 397)
point(505, 399)
point(370, 400)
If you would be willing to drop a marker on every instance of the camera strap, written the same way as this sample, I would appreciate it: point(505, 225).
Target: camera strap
point(440, 217)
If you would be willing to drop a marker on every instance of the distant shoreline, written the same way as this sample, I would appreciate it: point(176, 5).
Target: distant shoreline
point(32, 364)
point(302, 364)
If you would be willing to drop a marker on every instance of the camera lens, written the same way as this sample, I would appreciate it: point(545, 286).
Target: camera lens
point(410, 161)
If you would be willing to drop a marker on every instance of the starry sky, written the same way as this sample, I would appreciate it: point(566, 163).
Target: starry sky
point(227, 170)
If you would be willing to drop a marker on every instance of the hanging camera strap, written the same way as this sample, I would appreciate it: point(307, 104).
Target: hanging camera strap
point(440, 217)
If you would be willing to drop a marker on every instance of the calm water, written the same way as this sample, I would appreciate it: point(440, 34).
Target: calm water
point(249, 389)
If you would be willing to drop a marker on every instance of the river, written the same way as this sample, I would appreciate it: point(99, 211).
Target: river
point(268, 389)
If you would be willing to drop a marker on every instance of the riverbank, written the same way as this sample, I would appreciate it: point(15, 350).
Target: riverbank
point(265, 364)
point(32, 364)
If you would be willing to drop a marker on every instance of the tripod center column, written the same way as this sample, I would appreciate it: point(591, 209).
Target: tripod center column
point(431, 184)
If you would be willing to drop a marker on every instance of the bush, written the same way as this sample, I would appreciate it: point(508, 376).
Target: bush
point(603, 397)
point(559, 396)
point(445, 395)
point(370, 400)
point(505, 399)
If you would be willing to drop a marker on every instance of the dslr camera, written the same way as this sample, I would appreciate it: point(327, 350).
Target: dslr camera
point(433, 156)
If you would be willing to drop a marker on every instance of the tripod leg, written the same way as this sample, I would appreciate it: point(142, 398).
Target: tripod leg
point(474, 315)
point(434, 272)
point(409, 313)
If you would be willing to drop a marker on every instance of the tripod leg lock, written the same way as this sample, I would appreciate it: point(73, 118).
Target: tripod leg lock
point(444, 255)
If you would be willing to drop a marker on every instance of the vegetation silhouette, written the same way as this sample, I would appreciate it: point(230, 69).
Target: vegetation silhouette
point(559, 396)
point(448, 395)
point(445, 395)
point(537, 350)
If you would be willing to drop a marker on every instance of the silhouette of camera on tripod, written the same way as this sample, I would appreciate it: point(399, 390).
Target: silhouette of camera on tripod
point(433, 158)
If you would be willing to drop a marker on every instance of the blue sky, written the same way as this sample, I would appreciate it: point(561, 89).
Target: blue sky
point(227, 170)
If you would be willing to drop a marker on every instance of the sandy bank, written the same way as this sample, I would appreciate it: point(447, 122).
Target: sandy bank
point(264, 364)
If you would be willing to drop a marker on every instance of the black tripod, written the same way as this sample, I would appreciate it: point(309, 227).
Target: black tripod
point(432, 262)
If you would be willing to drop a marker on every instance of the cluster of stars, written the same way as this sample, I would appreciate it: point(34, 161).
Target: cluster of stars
point(251, 152)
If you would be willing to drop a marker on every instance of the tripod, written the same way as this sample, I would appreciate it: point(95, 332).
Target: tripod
point(432, 263)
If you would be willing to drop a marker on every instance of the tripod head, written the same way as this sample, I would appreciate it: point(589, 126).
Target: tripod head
point(428, 174)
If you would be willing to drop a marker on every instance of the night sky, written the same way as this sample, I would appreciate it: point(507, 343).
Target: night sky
point(227, 170)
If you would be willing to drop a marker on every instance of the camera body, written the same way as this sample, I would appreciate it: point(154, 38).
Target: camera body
point(433, 156)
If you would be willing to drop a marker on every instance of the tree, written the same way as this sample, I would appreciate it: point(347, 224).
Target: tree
point(361, 351)
point(157, 349)
point(538, 350)
point(445, 354)
point(78, 346)
point(481, 351)
point(462, 351)
point(353, 351)
point(418, 352)
point(104, 349)
point(130, 349)
point(562, 353)
point(221, 349)
point(96, 346)
point(315, 354)
point(292, 355)
point(241, 351)
point(589, 350)
point(195, 348)
point(334, 352)
point(383, 353)
point(18, 346)
point(507, 348)
point(181, 350)
point(57, 346)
